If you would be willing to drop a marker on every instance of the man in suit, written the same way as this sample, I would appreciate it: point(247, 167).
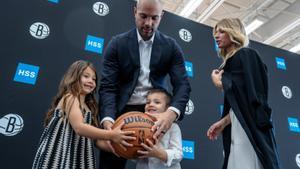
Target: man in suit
point(135, 62)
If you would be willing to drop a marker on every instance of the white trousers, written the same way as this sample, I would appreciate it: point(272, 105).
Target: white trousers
point(242, 154)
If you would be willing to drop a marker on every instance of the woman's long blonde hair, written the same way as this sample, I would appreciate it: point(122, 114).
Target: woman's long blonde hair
point(237, 34)
point(71, 84)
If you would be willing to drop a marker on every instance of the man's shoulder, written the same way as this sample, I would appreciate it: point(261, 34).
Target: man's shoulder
point(163, 36)
point(126, 34)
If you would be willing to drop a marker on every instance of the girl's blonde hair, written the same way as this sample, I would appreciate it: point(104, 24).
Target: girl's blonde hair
point(237, 34)
point(71, 85)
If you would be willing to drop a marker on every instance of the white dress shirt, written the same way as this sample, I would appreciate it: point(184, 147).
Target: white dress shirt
point(143, 84)
point(171, 142)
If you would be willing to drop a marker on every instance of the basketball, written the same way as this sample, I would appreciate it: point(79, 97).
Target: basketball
point(139, 122)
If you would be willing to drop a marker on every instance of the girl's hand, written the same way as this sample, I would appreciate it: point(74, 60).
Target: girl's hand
point(121, 137)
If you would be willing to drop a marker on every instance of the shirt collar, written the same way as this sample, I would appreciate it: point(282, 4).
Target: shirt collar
point(140, 39)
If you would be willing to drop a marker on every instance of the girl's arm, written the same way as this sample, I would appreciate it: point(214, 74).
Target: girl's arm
point(77, 122)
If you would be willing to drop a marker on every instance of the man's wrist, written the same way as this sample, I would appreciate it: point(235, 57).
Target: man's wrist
point(172, 114)
point(107, 119)
point(174, 111)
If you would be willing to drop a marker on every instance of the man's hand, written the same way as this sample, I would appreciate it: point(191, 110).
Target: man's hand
point(163, 123)
point(107, 125)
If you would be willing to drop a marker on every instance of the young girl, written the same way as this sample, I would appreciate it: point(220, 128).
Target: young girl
point(71, 123)
point(167, 153)
point(246, 124)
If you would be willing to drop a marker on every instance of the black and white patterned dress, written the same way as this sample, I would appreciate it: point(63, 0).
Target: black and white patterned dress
point(61, 148)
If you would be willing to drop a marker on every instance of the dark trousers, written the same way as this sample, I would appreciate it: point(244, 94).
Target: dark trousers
point(109, 160)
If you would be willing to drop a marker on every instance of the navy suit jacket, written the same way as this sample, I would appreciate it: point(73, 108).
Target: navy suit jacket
point(121, 67)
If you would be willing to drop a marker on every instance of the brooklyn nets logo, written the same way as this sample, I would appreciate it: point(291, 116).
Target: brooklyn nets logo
point(298, 160)
point(101, 8)
point(189, 109)
point(287, 92)
point(11, 124)
point(185, 35)
point(39, 30)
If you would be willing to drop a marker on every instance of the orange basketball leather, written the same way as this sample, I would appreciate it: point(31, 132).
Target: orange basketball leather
point(139, 122)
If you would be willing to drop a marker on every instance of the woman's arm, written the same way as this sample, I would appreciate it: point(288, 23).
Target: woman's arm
point(217, 128)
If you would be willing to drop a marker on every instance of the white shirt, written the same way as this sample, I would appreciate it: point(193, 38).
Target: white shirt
point(139, 94)
point(143, 84)
point(171, 142)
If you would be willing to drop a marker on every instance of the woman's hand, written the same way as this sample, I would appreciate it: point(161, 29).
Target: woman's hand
point(216, 76)
point(214, 130)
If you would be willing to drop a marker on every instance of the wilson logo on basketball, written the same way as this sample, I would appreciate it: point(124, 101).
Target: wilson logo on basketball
point(137, 119)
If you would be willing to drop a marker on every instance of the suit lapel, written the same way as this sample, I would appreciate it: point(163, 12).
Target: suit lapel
point(134, 47)
point(156, 51)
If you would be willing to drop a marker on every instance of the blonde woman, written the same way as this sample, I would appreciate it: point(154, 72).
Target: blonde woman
point(246, 124)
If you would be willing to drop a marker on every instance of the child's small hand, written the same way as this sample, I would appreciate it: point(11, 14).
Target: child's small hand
point(121, 137)
point(151, 150)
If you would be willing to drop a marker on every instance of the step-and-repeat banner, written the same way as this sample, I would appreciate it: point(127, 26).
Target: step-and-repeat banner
point(41, 38)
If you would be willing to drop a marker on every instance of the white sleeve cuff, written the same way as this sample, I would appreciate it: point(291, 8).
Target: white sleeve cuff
point(177, 111)
point(173, 158)
point(107, 118)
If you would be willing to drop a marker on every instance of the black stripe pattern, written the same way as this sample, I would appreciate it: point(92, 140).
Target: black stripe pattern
point(61, 148)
